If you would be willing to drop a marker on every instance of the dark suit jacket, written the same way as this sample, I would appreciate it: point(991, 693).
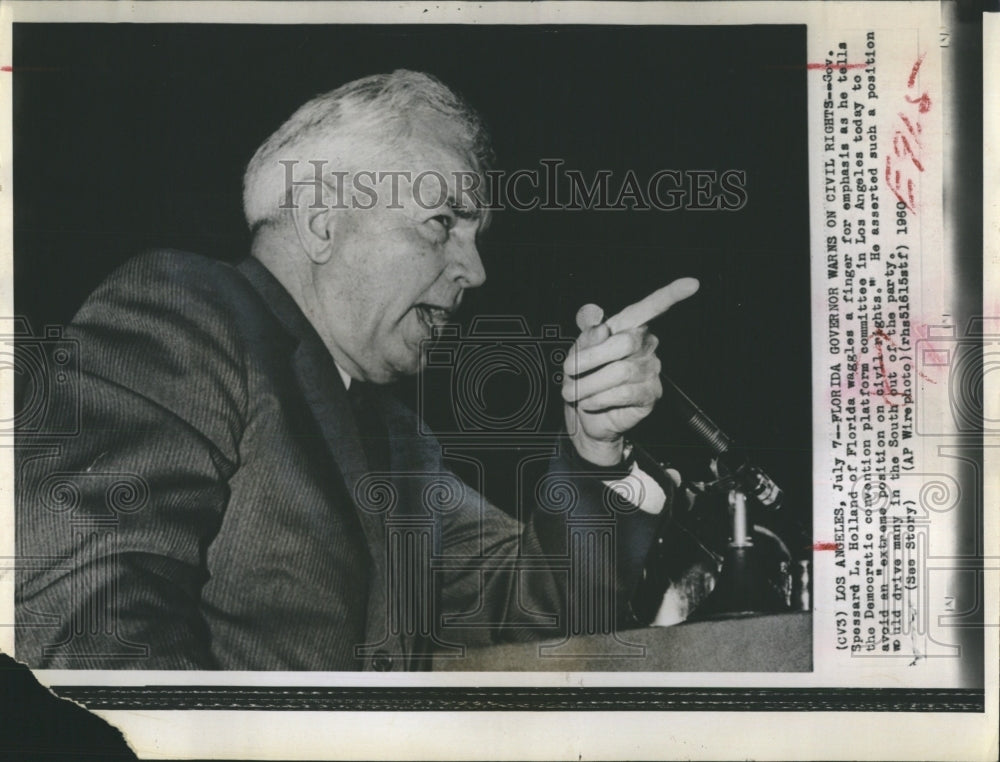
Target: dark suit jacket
point(198, 498)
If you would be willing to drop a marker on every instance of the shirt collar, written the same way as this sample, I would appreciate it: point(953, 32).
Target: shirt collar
point(344, 376)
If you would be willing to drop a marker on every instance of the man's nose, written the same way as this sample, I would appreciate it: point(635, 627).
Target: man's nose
point(466, 267)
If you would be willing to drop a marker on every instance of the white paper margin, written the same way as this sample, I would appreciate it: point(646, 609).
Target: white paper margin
point(546, 735)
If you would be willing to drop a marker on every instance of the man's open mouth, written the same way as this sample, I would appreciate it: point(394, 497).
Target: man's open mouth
point(431, 315)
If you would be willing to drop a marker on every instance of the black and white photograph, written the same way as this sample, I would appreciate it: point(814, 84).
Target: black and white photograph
point(384, 363)
point(253, 514)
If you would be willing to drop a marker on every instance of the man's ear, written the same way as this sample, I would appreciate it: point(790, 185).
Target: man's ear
point(315, 220)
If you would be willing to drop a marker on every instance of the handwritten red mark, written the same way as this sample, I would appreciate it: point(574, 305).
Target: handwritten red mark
point(826, 546)
point(923, 102)
point(9, 69)
point(835, 66)
point(931, 353)
point(906, 148)
point(915, 71)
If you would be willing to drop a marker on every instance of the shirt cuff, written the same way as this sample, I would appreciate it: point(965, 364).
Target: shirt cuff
point(640, 489)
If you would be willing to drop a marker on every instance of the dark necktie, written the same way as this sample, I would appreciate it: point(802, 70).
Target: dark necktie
point(371, 425)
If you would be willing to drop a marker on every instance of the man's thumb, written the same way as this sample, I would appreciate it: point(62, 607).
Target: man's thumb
point(588, 316)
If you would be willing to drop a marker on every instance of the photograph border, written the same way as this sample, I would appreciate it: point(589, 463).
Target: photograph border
point(969, 149)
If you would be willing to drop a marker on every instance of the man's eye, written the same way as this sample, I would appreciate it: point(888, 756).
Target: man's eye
point(444, 220)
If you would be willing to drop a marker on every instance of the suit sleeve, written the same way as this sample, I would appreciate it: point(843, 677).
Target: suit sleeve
point(574, 564)
point(123, 488)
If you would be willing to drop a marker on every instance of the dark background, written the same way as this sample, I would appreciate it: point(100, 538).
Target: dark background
point(135, 136)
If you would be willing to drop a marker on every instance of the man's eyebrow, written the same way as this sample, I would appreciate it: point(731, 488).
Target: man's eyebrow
point(464, 212)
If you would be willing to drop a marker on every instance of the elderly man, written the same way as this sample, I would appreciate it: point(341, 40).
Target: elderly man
point(220, 505)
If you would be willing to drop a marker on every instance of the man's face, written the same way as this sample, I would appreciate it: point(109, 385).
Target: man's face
point(400, 267)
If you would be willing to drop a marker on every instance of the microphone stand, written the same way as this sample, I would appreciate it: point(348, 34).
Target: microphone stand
point(744, 585)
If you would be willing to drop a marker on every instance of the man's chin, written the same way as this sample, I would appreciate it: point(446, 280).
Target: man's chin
point(405, 364)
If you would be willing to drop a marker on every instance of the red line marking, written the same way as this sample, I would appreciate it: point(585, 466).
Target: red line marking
point(835, 66)
point(826, 546)
point(913, 130)
point(930, 351)
point(8, 69)
point(913, 157)
point(914, 71)
point(923, 103)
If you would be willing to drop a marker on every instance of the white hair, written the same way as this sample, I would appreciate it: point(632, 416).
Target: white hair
point(331, 126)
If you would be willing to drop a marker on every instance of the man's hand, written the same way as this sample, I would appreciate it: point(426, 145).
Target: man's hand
point(611, 376)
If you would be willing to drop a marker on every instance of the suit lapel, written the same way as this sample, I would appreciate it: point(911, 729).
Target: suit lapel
point(324, 391)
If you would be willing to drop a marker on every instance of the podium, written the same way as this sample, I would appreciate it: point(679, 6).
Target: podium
point(765, 643)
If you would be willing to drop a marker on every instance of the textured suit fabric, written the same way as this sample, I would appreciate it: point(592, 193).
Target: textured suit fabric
point(215, 510)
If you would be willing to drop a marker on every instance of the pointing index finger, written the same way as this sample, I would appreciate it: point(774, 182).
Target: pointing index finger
point(653, 305)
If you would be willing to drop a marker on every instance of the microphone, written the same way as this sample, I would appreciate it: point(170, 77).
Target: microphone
point(733, 462)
